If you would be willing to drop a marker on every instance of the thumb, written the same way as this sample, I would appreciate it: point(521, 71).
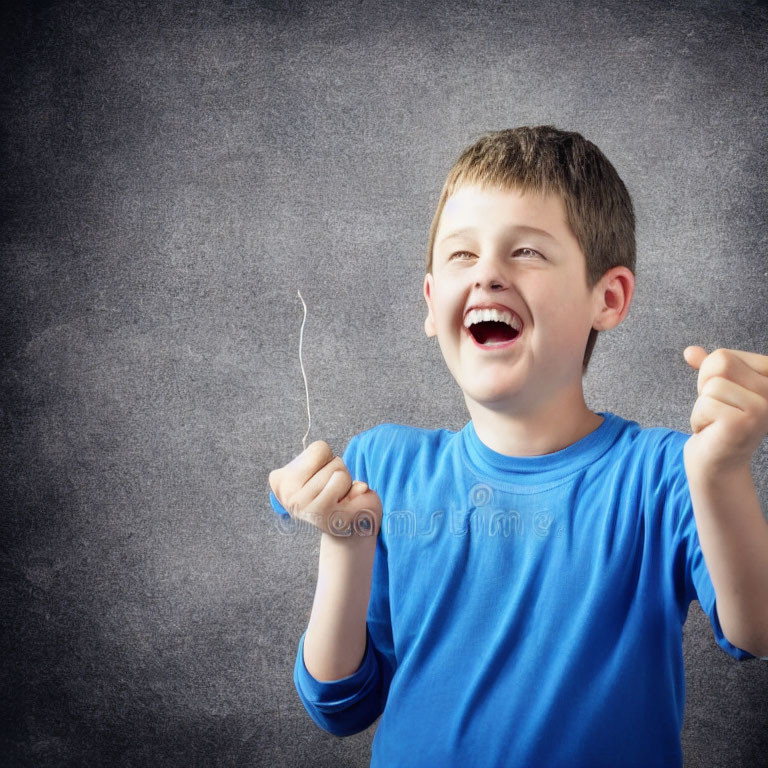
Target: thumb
point(363, 498)
point(358, 488)
point(694, 356)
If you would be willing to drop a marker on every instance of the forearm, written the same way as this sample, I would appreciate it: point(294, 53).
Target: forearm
point(334, 644)
point(734, 540)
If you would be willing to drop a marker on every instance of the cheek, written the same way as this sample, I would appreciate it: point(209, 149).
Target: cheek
point(446, 308)
point(567, 316)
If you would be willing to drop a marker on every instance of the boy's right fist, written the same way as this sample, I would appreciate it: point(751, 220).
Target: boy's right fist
point(317, 487)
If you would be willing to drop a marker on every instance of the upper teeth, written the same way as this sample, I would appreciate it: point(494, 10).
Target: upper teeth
point(499, 316)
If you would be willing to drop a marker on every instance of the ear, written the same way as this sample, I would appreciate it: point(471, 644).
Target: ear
point(613, 296)
point(429, 322)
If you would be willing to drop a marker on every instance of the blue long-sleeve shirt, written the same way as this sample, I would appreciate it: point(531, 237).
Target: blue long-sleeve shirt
point(524, 611)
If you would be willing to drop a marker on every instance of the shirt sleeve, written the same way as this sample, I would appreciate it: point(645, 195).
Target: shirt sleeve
point(350, 705)
point(277, 506)
point(697, 582)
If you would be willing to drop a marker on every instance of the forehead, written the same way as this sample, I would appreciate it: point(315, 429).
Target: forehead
point(471, 202)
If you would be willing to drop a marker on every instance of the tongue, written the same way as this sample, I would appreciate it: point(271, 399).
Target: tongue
point(491, 332)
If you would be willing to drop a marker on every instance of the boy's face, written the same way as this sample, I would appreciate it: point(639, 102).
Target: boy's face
point(515, 251)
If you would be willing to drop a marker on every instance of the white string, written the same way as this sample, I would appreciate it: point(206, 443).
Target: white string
point(303, 373)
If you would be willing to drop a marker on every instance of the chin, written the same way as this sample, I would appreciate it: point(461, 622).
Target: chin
point(492, 396)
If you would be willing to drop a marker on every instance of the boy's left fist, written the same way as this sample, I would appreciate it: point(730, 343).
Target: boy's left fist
point(730, 415)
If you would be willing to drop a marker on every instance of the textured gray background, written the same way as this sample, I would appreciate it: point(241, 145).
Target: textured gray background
point(171, 174)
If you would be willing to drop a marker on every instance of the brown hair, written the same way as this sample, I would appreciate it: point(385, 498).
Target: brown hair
point(545, 159)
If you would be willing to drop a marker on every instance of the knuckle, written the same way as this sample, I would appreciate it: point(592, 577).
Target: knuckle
point(337, 465)
point(320, 450)
point(712, 385)
point(721, 361)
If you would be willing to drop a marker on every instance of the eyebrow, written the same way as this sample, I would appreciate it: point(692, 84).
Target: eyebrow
point(521, 228)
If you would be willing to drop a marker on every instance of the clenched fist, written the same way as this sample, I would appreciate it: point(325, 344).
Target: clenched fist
point(730, 415)
point(316, 486)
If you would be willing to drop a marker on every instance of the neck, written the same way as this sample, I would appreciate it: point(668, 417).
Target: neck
point(535, 432)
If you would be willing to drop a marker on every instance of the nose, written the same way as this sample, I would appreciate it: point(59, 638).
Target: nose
point(489, 276)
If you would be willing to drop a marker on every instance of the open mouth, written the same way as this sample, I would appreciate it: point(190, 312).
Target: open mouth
point(492, 332)
point(493, 327)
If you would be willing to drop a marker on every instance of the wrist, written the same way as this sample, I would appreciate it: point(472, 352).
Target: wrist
point(353, 544)
point(705, 472)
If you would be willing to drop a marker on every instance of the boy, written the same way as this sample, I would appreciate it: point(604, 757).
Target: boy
point(513, 594)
